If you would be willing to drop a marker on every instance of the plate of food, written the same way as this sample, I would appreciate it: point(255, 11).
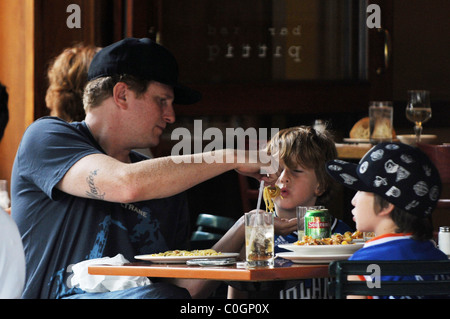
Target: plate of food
point(337, 244)
point(181, 256)
point(312, 259)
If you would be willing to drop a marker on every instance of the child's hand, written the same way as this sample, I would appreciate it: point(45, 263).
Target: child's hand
point(284, 226)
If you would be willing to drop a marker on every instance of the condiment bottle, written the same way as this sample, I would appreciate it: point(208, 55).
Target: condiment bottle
point(444, 239)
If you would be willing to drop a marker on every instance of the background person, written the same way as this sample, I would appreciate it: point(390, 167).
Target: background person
point(4, 113)
point(67, 76)
point(12, 258)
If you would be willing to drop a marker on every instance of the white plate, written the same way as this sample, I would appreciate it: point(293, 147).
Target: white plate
point(312, 259)
point(411, 138)
point(181, 259)
point(319, 250)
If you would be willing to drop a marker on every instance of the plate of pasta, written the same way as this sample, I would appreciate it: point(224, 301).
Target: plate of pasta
point(181, 256)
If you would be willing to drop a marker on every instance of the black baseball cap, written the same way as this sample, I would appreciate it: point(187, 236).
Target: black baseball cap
point(144, 59)
point(400, 173)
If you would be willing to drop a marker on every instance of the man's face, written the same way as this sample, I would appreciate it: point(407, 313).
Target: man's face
point(151, 112)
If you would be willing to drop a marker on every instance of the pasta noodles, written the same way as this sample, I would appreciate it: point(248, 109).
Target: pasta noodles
point(197, 252)
point(270, 192)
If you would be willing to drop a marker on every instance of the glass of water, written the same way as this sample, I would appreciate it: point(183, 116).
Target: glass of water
point(259, 239)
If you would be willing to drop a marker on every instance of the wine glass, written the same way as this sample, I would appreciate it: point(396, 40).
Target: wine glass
point(418, 109)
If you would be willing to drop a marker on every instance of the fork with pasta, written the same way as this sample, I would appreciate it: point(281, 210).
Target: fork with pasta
point(270, 192)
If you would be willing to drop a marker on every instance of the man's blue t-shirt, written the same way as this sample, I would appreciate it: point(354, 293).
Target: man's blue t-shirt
point(59, 230)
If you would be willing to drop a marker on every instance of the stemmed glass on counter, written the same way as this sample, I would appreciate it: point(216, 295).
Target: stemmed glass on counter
point(418, 109)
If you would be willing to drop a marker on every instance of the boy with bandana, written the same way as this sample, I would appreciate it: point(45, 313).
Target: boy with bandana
point(397, 190)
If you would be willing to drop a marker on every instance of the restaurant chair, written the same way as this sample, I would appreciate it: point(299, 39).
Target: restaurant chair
point(214, 223)
point(440, 156)
point(202, 235)
point(210, 228)
point(340, 287)
point(249, 193)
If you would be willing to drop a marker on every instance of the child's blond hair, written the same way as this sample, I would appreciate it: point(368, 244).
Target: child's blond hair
point(303, 145)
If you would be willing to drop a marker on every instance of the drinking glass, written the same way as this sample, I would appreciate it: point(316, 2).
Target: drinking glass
point(381, 116)
point(418, 110)
point(301, 211)
point(259, 239)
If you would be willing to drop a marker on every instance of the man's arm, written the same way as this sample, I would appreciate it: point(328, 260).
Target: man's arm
point(102, 177)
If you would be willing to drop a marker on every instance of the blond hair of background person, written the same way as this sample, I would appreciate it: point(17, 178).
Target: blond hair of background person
point(67, 75)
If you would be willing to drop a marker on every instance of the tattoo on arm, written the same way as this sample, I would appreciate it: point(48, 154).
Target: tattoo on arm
point(93, 192)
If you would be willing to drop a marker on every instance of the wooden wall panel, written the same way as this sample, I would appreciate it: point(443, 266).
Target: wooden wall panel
point(52, 35)
point(32, 32)
point(16, 73)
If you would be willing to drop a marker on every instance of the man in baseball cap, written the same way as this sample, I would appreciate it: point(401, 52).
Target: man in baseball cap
point(397, 189)
point(79, 191)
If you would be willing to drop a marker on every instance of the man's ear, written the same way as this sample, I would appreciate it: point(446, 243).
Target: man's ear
point(120, 93)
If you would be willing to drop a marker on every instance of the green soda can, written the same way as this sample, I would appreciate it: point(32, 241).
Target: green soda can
point(318, 223)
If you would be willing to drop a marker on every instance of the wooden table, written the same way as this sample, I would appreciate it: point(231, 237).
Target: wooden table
point(255, 280)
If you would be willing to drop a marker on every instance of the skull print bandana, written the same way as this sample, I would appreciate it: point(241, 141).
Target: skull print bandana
point(401, 174)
